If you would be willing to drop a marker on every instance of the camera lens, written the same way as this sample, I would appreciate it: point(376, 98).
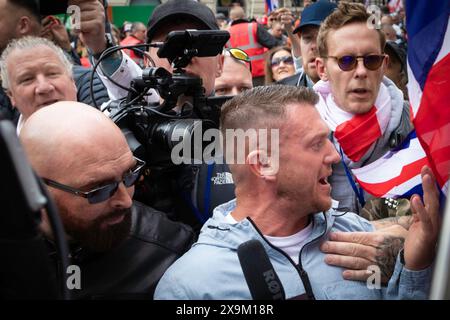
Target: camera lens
point(188, 132)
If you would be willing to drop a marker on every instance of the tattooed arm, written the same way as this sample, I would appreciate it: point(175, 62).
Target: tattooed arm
point(356, 251)
point(403, 221)
point(387, 252)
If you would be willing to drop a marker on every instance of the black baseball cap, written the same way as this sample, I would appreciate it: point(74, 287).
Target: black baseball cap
point(220, 16)
point(315, 13)
point(181, 8)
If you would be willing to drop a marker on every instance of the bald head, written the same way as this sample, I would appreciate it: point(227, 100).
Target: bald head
point(139, 30)
point(389, 32)
point(65, 133)
point(235, 78)
point(237, 13)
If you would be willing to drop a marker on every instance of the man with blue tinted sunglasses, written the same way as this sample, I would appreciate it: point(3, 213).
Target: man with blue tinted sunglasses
point(367, 115)
point(121, 246)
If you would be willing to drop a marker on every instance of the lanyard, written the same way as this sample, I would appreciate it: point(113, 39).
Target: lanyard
point(202, 217)
point(358, 191)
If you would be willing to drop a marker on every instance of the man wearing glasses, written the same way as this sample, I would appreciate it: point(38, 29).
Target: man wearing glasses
point(366, 114)
point(351, 67)
point(121, 247)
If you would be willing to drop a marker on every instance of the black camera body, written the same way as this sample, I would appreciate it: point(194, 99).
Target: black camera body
point(153, 130)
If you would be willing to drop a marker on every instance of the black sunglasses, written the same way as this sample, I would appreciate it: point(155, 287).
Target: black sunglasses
point(102, 193)
point(371, 62)
point(286, 60)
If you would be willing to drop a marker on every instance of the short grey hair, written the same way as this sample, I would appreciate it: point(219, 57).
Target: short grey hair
point(30, 43)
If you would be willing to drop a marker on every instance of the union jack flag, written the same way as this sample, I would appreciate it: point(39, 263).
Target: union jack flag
point(428, 28)
point(271, 5)
point(398, 172)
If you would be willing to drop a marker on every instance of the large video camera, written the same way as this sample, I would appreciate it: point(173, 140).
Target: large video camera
point(153, 130)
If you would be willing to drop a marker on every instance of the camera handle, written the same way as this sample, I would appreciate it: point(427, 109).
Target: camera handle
point(181, 62)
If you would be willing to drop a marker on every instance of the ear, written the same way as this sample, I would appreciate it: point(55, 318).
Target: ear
point(24, 26)
point(74, 87)
point(219, 69)
point(11, 97)
point(321, 69)
point(146, 61)
point(261, 165)
point(385, 63)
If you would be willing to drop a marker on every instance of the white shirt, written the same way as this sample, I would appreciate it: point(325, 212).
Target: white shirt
point(291, 245)
point(20, 124)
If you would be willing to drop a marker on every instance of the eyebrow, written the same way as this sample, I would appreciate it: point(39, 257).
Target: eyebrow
point(317, 136)
point(48, 65)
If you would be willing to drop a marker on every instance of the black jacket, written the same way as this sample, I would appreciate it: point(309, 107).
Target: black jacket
point(133, 269)
point(82, 78)
point(7, 111)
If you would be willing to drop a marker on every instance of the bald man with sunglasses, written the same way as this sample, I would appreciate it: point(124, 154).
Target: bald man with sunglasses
point(121, 246)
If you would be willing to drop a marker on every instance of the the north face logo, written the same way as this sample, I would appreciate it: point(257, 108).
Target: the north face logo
point(222, 178)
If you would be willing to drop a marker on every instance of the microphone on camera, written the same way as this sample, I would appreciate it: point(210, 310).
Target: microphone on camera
point(262, 280)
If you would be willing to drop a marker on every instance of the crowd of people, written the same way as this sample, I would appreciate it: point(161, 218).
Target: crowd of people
point(323, 79)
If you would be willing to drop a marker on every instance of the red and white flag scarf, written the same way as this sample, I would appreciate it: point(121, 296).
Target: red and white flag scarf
point(354, 133)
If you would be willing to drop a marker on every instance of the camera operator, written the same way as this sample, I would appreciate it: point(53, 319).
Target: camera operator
point(184, 188)
point(167, 17)
point(121, 247)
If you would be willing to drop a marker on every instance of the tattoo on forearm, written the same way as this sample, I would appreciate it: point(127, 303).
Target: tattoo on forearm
point(387, 255)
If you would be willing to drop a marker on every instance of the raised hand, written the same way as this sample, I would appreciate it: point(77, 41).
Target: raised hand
point(420, 244)
point(92, 24)
point(55, 31)
point(287, 19)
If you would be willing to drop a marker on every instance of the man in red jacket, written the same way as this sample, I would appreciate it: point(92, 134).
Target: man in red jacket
point(253, 39)
point(137, 36)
